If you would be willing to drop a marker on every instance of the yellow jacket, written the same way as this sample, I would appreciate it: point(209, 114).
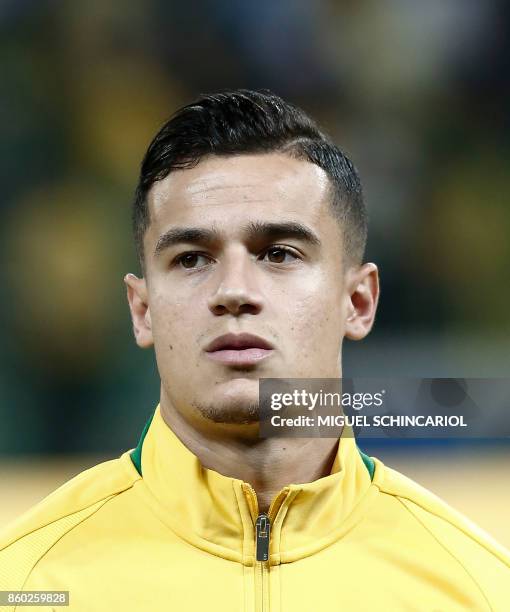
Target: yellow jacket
point(180, 537)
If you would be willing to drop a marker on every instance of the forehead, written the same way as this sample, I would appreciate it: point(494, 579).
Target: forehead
point(228, 191)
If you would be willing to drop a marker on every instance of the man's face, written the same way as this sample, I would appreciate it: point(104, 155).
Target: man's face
point(264, 257)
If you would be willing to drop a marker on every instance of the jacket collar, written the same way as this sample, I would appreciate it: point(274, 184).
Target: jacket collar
point(217, 513)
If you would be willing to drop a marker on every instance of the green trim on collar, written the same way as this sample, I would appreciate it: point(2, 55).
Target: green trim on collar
point(369, 463)
point(136, 454)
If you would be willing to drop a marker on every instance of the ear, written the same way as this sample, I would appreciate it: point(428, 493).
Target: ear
point(363, 295)
point(140, 312)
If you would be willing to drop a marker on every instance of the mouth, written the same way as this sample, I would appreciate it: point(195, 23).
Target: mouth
point(239, 349)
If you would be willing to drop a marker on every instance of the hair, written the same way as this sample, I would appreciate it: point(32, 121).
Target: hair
point(244, 121)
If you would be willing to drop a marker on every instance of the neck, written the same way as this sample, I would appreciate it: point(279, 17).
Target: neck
point(267, 464)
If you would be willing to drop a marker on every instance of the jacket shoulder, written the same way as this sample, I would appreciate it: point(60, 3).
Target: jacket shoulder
point(25, 541)
point(485, 560)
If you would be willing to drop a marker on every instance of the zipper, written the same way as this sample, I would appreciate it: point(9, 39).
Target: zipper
point(263, 523)
point(262, 533)
point(263, 520)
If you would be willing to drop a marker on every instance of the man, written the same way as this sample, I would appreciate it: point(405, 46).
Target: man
point(250, 226)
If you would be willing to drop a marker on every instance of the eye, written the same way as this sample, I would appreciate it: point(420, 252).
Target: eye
point(278, 254)
point(190, 261)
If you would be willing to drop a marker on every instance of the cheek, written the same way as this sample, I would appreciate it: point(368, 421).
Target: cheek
point(319, 324)
point(173, 323)
point(314, 317)
point(313, 298)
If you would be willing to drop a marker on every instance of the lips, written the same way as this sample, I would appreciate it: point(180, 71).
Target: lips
point(239, 349)
point(238, 342)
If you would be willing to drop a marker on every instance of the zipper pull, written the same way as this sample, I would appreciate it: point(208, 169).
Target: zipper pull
point(262, 531)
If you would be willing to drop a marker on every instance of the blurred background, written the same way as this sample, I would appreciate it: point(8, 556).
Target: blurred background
point(417, 93)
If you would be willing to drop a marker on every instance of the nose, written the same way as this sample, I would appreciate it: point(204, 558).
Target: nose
point(236, 292)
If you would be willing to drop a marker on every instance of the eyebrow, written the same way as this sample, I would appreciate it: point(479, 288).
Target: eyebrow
point(289, 229)
point(177, 235)
point(253, 229)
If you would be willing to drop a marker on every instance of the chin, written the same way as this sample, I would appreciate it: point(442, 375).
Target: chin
point(238, 387)
point(234, 413)
point(235, 402)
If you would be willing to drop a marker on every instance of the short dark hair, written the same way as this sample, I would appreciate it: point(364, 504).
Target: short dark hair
point(245, 121)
